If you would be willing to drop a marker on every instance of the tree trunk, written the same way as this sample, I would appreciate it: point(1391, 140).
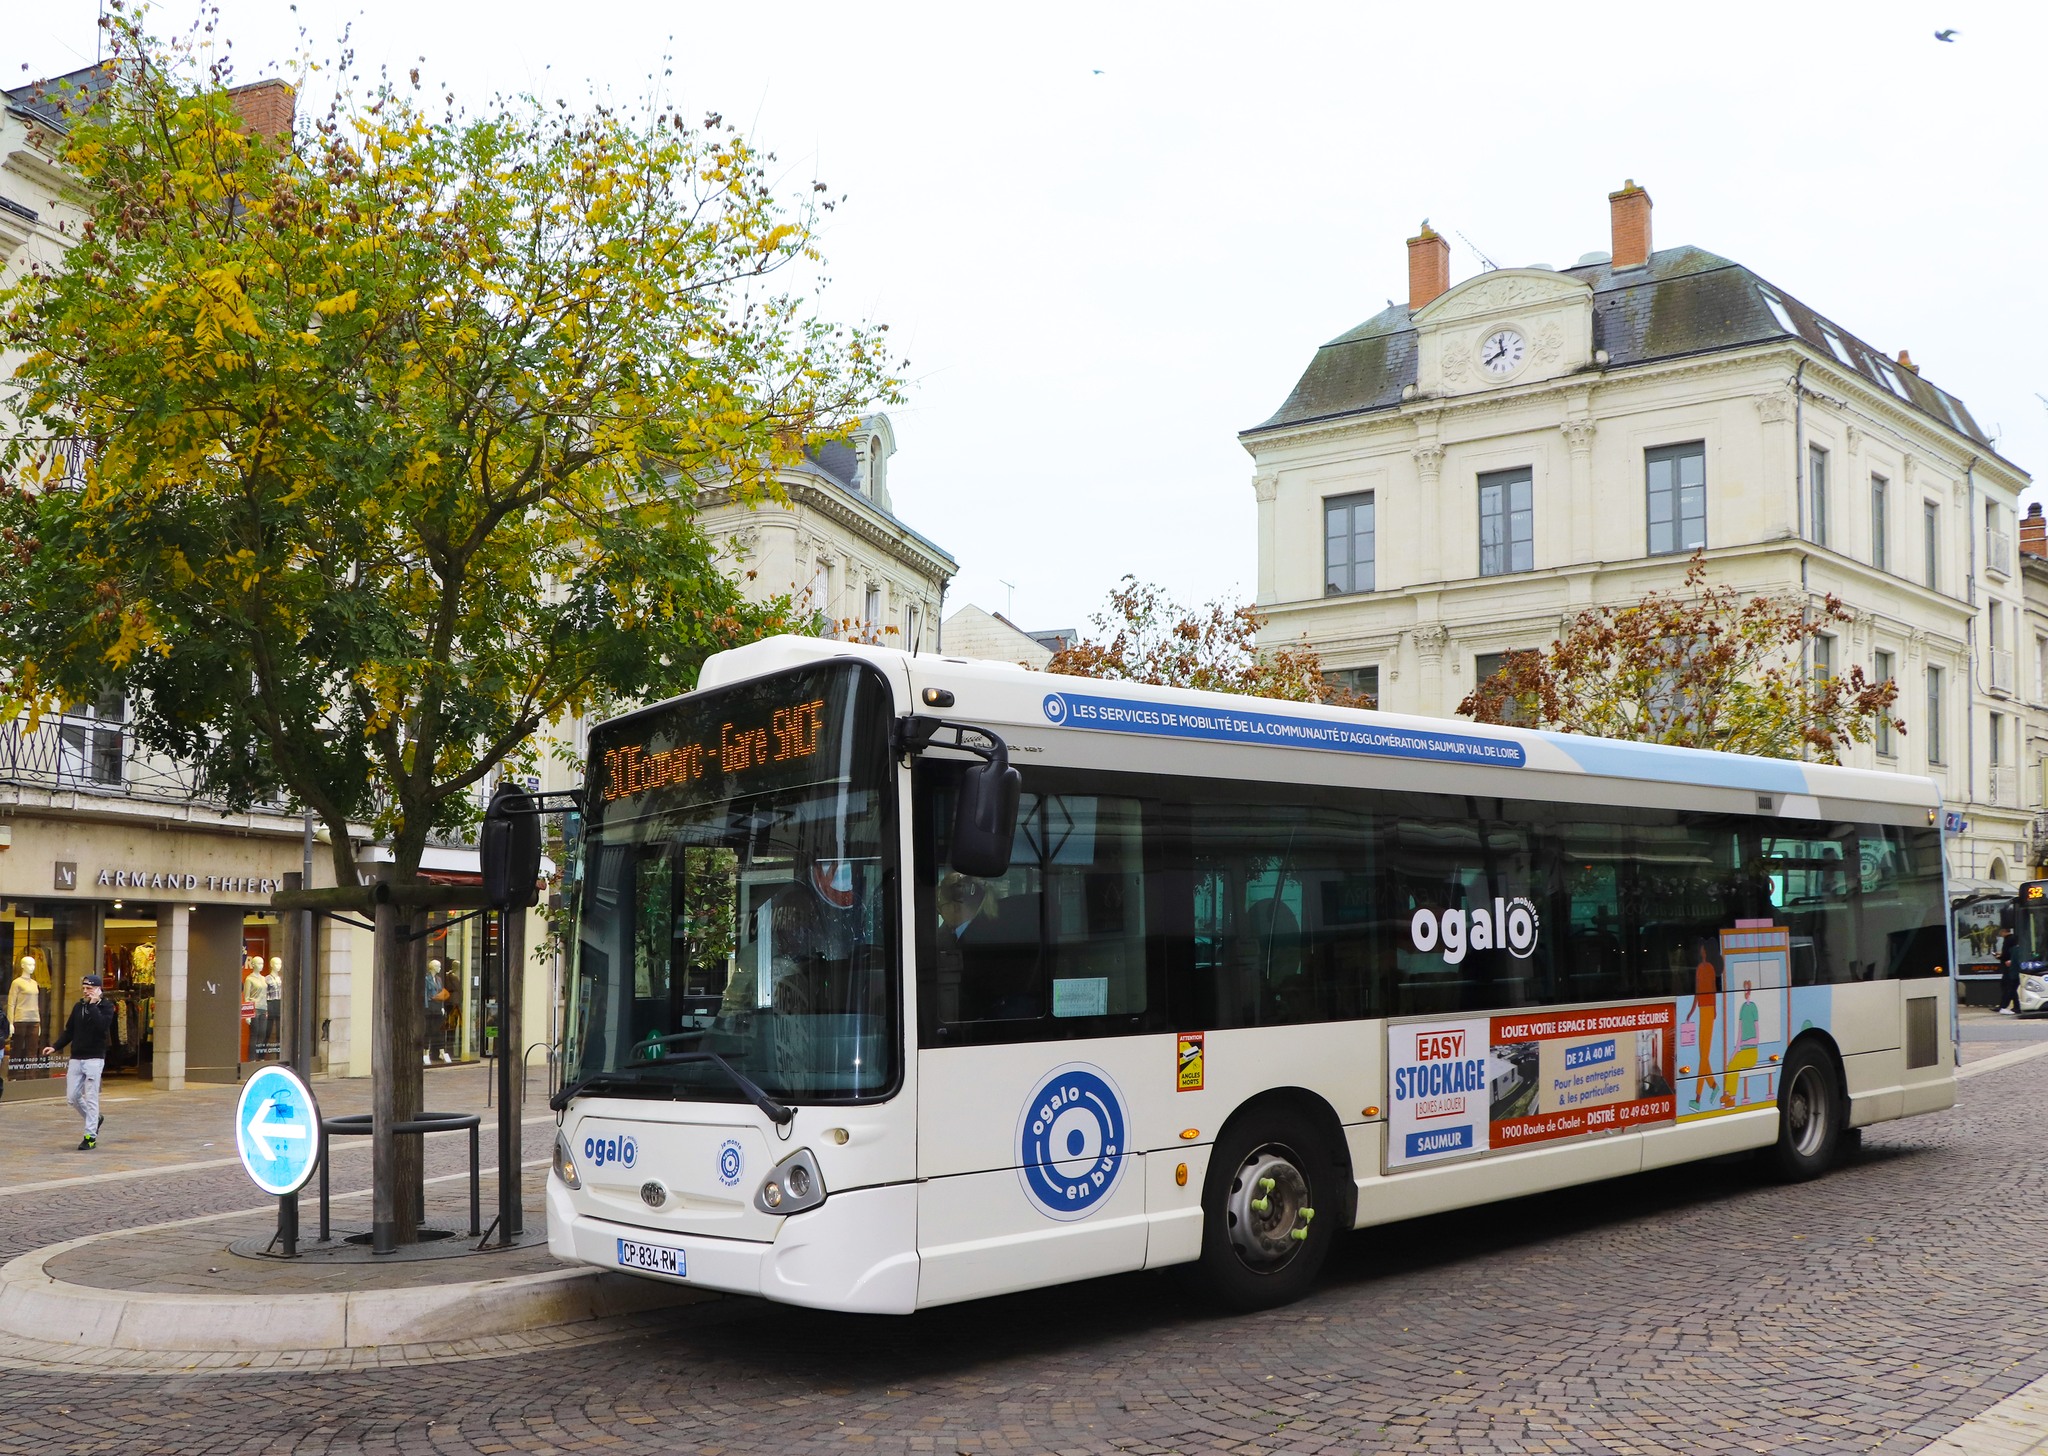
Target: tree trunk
point(397, 1166)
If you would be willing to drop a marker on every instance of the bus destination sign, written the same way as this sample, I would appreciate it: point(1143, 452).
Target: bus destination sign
point(781, 736)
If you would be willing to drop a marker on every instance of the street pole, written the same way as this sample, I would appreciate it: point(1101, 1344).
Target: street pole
point(294, 928)
point(511, 1069)
point(307, 1030)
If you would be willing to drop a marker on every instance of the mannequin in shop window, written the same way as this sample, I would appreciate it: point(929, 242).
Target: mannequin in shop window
point(25, 1009)
point(436, 1014)
point(252, 1000)
point(273, 1006)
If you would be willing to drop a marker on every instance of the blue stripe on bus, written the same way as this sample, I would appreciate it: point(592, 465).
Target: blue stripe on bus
point(1275, 730)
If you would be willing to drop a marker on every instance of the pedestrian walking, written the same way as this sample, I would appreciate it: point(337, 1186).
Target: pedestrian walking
point(2008, 976)
point(88, 1032)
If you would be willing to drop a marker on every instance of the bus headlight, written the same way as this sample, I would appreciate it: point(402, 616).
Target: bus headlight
point(792, 1185)
point(565, 1166)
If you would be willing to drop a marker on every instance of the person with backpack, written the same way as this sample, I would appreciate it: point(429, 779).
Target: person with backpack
point(88, 1032)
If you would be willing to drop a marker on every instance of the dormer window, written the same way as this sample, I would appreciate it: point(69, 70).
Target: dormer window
point(871, 478)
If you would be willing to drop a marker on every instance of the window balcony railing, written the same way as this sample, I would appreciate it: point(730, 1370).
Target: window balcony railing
point(98, 757)
point(1998, 552)
point(2001, 670)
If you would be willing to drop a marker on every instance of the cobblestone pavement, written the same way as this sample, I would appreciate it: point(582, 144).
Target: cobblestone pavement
point(1691, 1310)
point(1986, 1033)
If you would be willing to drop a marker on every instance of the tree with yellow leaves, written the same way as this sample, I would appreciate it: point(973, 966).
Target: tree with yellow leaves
point(391, 427)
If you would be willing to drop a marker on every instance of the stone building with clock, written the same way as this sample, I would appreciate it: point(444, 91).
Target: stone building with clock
point(1450, 480)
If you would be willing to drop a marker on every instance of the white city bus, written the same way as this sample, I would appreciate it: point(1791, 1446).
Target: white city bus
point(857, 1021)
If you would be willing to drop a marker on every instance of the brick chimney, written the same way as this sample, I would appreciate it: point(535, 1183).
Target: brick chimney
point(1429, 267)
point(1630, 212)
point(2033, 532)
point(1906, 363)
point(267, 108)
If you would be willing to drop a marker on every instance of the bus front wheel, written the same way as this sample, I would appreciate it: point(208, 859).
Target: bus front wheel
point(1810, 1116)
point(1270, 1210)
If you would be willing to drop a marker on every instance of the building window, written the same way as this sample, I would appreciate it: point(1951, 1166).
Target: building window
point(1880, 551)
point(1507, 523)
point(2041, 669)
point(1881, 732)
point(1934, 744)
point(1347, 544)
point(91, 740)
point(1678, 497)
point(1486, 664)
point(1817, 494)
point(873, 614)
point(912, 620)
point(1823, 657)
point(1930, 535)
point(1361, 680)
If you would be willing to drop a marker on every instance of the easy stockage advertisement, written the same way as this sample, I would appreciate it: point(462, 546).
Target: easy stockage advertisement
point(1485, 1084)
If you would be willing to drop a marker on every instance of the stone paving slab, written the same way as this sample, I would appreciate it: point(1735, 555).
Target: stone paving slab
point(193, 1258)
point(153, 1131)
point(173, 1293)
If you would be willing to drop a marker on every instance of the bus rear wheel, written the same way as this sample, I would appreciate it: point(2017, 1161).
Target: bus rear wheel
point(1269, 1208)
point(1810, 1116)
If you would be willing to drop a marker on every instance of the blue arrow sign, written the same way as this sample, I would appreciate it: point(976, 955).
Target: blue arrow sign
point(277, 1130)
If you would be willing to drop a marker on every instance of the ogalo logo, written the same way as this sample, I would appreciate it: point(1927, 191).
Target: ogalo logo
point(622, 1150)
point(1071, 1141)
point(1510, 925)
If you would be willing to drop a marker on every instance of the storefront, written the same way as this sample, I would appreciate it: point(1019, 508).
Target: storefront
point(458, 1021)
point(176, 922)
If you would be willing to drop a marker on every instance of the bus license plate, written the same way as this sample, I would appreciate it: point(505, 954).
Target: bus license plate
point(654, 1258)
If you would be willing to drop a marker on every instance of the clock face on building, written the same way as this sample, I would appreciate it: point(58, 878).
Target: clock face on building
point(1502, 352)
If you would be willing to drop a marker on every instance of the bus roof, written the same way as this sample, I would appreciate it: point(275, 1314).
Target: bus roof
point(1005, 693)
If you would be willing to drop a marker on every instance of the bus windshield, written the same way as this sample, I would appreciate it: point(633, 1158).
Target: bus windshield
point(735, 896)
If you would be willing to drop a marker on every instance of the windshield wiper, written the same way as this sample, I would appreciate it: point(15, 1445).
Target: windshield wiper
point(636, 1080)
point(597, 1082)
point(741, 1080)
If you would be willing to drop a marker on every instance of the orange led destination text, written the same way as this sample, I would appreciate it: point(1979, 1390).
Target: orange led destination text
point(792, 733)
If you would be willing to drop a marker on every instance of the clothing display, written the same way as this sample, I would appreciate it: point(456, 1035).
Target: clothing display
point(25, 995)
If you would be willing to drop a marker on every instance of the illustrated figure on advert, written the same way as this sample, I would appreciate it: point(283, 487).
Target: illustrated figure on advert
point(1706, 987)
point(1746, 1016)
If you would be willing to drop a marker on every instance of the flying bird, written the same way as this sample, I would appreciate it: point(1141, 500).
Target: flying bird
point(1947, 35)
point(1095, 73)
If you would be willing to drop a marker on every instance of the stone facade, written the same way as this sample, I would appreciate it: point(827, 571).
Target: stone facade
point(1455, 479)
point(835, 544)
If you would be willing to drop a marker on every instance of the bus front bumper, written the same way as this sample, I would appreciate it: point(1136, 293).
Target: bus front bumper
point(855, 1251)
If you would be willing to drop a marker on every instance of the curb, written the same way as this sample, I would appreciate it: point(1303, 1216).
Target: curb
point(35, 1306)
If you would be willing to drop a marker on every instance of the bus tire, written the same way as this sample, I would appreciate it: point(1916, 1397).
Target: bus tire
point(1811, 1117)
point(1251, 1255)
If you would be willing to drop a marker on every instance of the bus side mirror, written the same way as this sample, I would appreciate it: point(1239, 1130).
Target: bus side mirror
point(985, 821)
point(508, 851)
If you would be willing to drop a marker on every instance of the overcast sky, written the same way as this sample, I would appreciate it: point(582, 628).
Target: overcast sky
point(1110, 236)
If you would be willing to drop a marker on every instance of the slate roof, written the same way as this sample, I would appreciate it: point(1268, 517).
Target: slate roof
point(45, 100)
point(1687, 301)
point(836, 461)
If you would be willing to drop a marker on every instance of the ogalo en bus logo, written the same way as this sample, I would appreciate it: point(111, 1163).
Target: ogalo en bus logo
point(1072, 1140)
point(1510, 925)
